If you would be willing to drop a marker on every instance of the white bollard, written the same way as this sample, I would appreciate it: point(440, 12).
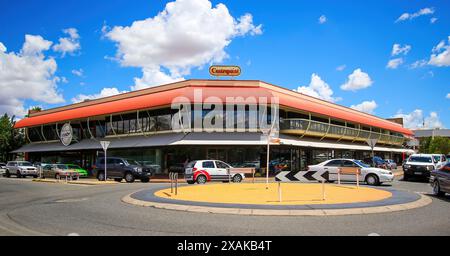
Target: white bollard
point(279, 192)
point(323, 190)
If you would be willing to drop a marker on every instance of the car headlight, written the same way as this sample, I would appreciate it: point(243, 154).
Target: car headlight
point(138, 169)
point(430, 167)
point(407, 166)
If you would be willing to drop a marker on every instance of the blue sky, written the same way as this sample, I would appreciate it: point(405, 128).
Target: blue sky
point(289, 46)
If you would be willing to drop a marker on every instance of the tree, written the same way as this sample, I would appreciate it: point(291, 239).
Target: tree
point(10, 138)
point(424, 145)
point(439, 145)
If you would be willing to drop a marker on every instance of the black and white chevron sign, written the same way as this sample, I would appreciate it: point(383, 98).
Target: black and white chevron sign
point(302, 176)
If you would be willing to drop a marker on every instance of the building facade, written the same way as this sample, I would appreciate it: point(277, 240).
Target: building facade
point(140, 126)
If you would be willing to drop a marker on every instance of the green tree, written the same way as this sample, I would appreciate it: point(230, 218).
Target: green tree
point(10, 138)
point(425, 145)
point(439, 145)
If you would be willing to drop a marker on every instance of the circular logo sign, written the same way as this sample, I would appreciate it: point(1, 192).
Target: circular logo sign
point(66, 134)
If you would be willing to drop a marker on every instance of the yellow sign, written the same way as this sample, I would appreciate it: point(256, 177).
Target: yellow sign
point(225, 70)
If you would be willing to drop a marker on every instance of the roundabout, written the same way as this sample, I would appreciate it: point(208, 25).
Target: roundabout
point(297, 199)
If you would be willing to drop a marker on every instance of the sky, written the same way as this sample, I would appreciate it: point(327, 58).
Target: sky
point(387, 58)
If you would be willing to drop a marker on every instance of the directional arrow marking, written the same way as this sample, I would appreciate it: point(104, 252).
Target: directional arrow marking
point(303, 176)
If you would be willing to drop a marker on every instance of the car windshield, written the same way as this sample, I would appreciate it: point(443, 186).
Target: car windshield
point(25, 164)
point(437, 158)
point(191, 164)
point(421, 159)
point(360, 163)
point(133, 162)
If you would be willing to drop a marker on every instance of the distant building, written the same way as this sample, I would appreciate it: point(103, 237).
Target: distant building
point(426, 133)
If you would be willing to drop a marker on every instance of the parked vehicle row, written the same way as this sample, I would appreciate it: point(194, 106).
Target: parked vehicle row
point(421, 165)
point(120, 168)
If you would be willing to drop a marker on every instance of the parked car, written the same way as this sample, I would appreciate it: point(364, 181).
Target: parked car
point(59, 171)
point(2, 169)
point(82, 172)
point(203, 171)
point(391, 164)
point(21, 169)
point(156, 168)
point(371, 175)
point(121, 168)
point(376, 161)
point(440, 180)
point(440, 160)
point(419, 165)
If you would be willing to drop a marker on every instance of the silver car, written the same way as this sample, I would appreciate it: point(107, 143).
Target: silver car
point(2, 169)
point(391, 164)
point(20, 169)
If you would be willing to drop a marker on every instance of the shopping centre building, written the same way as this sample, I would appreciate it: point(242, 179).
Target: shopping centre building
point(139, 125)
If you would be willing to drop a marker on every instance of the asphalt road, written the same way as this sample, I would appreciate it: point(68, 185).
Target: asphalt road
point(30, 208)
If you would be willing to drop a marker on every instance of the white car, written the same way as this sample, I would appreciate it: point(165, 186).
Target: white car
point(203, 171)
point(420, 165)
point(2, 169)
point(371, 175)
point(21, 169)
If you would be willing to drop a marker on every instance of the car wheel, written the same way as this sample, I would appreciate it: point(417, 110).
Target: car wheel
point(35, 176)
point(190, 182)
point(201, 179)
point(18, 175)
point(372, 180)
point(437, 189)
point(145, 180)
point(101, 176)
point(405, 177)
point(118, 179)
point(129, 178)
point(237, 178)
point(7, 174)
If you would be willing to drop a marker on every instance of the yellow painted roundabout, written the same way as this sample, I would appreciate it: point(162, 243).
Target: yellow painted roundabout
point(291, 194)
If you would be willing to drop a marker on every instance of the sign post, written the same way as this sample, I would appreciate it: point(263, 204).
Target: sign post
point(105, 145)
point(372, 143)
point(298, 176)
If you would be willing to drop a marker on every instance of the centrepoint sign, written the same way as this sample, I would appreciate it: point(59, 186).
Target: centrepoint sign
point(66, 134)
point(225, 70)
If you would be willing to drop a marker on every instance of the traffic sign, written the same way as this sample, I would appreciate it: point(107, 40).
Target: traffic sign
point(300, 176)
point(372, 143)
point(105, 144)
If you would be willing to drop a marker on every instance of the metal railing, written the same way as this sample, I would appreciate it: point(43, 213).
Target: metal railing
point(173, 176)
point(327, 130)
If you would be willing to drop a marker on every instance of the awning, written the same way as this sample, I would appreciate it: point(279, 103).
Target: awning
point(202, 138)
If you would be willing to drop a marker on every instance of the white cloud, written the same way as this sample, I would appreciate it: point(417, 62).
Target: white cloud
point(416, 119)
point(341, 67)
point(433, 20)
point(398, 49)
point(357, 80)
point(27, 75)
point(411, 16)
point(365, 106)
point(78, 72)
point(105, 92)
point(448, 96)
point(318, 88)
point(440, 54)
point(69, 44)
point(187, 34)
point(322, 19)
point(418, 64)
point(394, 63)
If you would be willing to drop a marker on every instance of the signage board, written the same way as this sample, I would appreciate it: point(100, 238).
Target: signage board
point(299, 176)
point(225, 71)
point(66, 134)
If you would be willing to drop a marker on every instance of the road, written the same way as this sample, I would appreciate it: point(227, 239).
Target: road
point(31, 208)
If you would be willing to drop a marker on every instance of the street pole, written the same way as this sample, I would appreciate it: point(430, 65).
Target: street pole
point(105, 165)
point(267, 168)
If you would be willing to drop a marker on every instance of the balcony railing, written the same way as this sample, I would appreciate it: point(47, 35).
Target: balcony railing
point(305, 127)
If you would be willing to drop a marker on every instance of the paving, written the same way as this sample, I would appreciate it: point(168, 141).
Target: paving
point(32, 208)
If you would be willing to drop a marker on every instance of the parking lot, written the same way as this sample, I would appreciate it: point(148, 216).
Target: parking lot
point(32, 208)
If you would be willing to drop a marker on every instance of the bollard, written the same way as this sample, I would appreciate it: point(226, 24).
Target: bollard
point(323, 190)
point(279, 192)
point(357, 179)
point(171, 182)
point(176, 184)
point(339, 176)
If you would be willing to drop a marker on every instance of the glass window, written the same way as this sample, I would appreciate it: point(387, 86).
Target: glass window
point(334, 163)
point(222, 165)
point(349, 164)
point(208, 164)
point(421, 159)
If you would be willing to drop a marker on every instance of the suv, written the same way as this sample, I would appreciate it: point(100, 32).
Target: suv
point(20, 169)
point(210, 170)
point(120, 168)
point(419, 165)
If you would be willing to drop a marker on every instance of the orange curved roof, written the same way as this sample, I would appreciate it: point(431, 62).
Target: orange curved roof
point(220, 89)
